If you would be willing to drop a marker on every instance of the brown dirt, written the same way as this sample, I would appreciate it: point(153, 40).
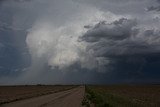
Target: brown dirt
point(14, 93)
point(69, 98)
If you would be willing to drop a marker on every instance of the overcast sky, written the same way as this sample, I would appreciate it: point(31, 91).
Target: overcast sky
point(79, 41)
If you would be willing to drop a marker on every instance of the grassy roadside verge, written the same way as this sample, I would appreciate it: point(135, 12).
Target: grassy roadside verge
point(99, 98)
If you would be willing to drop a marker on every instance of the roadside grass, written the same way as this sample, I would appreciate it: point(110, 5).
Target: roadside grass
point(103, 98)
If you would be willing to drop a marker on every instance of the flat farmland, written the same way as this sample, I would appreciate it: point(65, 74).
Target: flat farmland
point(124, 95)
point(15, 93)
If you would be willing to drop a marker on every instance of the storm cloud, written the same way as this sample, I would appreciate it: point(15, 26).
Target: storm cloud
point(79, 41)
point(155, 7)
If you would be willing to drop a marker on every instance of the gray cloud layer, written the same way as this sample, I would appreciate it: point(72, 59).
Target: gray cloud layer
point(74, 41)
point(122, 37)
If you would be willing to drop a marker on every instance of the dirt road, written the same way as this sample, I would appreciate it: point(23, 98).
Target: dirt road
point(69, 98)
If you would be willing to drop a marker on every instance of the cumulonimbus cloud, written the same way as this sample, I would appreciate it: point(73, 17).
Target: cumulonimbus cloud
point(68, 39)
point(58, 46)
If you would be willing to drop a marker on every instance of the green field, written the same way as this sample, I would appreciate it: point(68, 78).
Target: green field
point(122, 96)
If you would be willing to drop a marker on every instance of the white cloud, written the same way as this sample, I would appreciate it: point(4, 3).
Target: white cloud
point(59, 44)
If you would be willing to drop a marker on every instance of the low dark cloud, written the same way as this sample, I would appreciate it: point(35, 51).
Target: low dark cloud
point(121, 37)
point(154, 8)
point(128, 48)
point(118, 30)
